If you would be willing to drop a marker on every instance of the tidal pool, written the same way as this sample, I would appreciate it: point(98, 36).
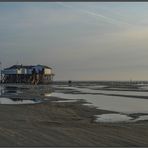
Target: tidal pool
point(15, 95)
point(143, 117)
point(17, 101)
point(112, 103)
point(123, 105)
point(112, 118)
point(114, 92)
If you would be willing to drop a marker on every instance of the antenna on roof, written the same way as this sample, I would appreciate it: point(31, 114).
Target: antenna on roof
point(17, 62)
point(1, 71)
point(21, 59)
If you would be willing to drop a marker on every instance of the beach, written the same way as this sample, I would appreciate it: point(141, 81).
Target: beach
point(57, 122)
point(74, 74)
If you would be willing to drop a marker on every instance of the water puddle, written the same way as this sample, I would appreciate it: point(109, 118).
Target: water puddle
point(95, 86)
point(144, 87)
point(113, 118)
point(18, 101)
point(65, 101)
point(143, 117)
point(9, 90)
point(118, 118)
point(111, 103)
point(123, 105)
point(114, 92)
point(47, 94)
point(18, 95)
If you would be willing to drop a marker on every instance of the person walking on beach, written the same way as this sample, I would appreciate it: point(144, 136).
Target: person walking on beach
point(42, 74)
point(69, 82)
point(37, 78)
point(33, 76)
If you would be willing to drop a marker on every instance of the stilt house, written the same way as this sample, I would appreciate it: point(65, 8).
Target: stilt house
point(34, 74)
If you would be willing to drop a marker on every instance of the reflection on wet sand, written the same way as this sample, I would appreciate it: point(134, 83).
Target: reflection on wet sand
point(22, 94)
point(17, 101)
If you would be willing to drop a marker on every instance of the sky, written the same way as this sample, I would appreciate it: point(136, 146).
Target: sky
point(79, 40)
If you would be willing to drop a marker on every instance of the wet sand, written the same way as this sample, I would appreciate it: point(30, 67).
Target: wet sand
point(57, 124)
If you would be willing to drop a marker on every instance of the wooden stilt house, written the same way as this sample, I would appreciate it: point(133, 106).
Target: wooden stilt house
point(34, 74)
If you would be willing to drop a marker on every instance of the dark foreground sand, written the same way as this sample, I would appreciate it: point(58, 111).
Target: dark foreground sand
point(65, 124)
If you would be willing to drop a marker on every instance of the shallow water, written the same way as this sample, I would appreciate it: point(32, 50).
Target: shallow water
point(111, 103)
point(13, 95)
point(123, 105)
point(143, 117)
point(64, 101)
point(114, 92)
point(118, 118)
point(18, 101)
point(47, 94)
point(144, 87)
point(112, 118)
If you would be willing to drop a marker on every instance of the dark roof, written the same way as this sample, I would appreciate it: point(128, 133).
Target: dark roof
point(18, 66)
point(25, 66)
point(44, 66)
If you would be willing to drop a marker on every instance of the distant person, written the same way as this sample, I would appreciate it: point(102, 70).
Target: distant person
point(69, 82)
point(34, 73)
point(41, 75)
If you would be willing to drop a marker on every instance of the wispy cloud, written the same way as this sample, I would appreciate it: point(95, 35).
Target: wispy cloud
point(97, 15)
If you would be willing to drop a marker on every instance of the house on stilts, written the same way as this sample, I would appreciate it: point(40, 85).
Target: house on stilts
point(32, 74)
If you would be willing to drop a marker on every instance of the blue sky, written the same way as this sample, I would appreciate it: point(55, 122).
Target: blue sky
point(80, 40)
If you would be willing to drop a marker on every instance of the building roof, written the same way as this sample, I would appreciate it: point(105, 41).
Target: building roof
point(25, 66)
point(18, 66)
point(44, 66)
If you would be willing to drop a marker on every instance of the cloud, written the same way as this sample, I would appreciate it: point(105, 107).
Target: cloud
point(98, 15)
